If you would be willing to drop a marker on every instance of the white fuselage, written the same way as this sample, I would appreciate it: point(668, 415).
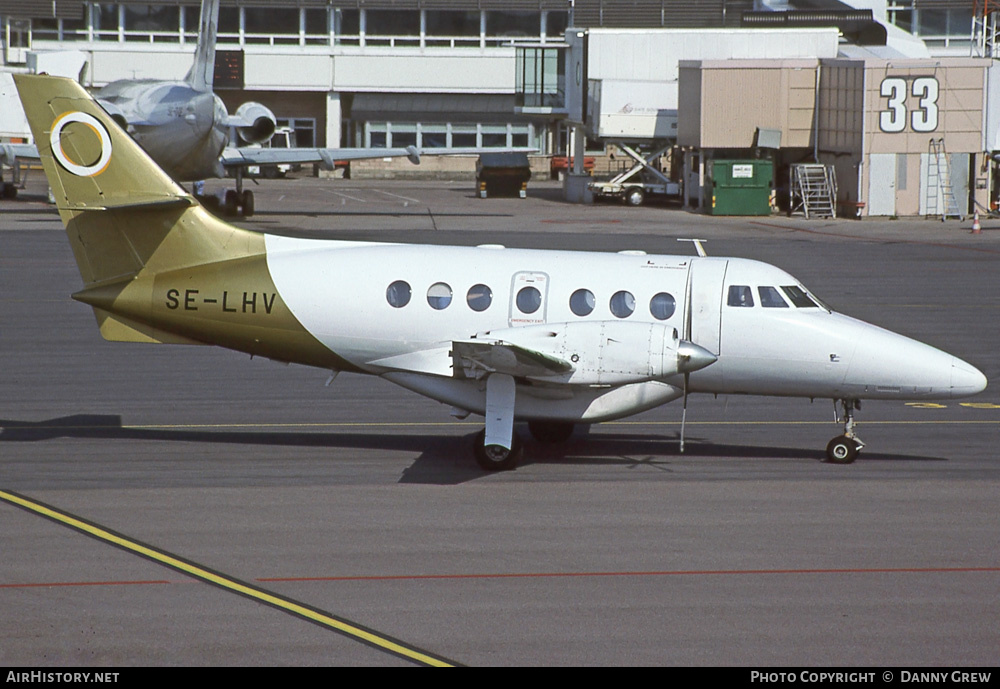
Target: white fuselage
point(340, 292)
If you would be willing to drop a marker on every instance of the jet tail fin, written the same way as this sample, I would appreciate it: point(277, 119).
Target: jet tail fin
point(201, 76)
point(123, 214)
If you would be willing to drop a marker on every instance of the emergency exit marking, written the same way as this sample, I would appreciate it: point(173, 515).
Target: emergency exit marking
point(924, 118)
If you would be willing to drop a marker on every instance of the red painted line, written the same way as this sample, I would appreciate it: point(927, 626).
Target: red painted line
point(577, 222)
point(694, 572)
point(83, 583)
point(552, 575)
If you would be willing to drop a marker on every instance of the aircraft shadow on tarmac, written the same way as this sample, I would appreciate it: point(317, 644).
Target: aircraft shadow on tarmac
point(442, 459)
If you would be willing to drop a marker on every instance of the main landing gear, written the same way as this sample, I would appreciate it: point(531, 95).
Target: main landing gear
point(550, 432)
point(844, 448)
point(497, 446)
point(496, 457)
point(499, 458)
point(239, 201)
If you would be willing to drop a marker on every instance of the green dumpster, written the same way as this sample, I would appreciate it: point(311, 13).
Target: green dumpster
point(741, 187)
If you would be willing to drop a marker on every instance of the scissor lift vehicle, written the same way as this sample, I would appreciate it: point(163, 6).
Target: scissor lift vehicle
point(641, 181)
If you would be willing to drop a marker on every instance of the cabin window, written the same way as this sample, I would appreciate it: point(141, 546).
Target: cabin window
point(398, 294)
point(529, 299)
point(798, 296)
point(770, 298)
point(439, 296)
point(622, 304)
point(662, 306)
point(740, 295)
point(479, 297)
point(582, 302)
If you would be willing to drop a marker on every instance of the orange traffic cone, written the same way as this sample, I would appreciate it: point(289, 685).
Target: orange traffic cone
point(976, 227)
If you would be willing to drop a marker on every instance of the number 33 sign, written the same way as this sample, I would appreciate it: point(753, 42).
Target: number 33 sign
point(924, 118)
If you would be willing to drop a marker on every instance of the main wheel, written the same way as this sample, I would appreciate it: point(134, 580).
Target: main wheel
point(9, 191)
point(635, 196)
point(841, 450)
point(550, 432)
point(231, 206)
point(247, 203)
point(495, 457)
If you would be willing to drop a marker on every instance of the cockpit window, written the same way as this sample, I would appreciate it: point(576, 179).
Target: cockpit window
point(770, 298)
point(798, 297)
point(740, 295)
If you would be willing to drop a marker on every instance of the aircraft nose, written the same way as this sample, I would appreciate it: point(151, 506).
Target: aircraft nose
point(966, 379)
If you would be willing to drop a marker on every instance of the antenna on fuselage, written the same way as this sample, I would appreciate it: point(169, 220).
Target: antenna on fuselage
point(699, 247)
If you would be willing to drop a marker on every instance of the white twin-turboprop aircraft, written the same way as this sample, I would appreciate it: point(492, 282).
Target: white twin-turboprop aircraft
point(554, 338)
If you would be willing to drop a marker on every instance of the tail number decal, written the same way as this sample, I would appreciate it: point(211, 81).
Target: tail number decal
point(80, 169)
point(251, 302)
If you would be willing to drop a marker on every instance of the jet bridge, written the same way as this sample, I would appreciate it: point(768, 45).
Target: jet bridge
point(640, 119)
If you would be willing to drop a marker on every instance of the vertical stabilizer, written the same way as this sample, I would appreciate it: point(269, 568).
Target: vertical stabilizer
point(201, 77)
point(123, 214)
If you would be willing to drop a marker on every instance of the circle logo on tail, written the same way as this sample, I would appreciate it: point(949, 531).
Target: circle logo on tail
point(82, 168)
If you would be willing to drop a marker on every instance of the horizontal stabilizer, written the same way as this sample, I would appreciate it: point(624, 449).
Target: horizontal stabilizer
point(116, 328)
point(137, 202)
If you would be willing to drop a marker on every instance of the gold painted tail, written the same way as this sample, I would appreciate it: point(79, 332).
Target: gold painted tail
point(125, 217)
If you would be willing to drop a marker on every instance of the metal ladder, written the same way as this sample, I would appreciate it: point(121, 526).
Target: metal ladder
point(940, 196)
point(814, 190)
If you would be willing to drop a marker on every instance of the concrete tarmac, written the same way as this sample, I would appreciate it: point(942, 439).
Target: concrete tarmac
point(137, 483)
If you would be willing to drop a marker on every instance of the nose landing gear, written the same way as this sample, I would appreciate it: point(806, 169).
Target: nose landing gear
point(844, 448)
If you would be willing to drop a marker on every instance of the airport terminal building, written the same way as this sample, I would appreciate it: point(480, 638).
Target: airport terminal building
point(501, 73)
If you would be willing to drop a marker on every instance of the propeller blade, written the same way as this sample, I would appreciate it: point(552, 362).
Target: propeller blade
point(685, 412)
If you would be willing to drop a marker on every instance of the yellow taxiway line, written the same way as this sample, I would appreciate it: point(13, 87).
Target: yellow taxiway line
point(323, 619)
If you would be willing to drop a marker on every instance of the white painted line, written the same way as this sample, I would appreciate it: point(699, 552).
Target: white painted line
point(405, 198)
point(346, 196)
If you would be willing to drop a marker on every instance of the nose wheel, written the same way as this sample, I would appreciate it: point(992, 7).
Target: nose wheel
point(844, 448)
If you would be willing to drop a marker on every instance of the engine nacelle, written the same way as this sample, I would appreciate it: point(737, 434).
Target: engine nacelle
point(260, 123)
point(607, 352)
point(115, 112)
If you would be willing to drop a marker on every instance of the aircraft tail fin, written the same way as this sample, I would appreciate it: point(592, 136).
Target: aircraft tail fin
point(123, 214)
point(201, 76)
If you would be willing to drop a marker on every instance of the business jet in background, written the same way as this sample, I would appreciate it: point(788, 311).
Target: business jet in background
point(187, 130)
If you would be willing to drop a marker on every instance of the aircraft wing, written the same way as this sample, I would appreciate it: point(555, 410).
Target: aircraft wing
point(327, 157)
point(475, 359)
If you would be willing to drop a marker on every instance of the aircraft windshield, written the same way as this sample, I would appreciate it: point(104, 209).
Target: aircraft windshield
point(798, 296)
